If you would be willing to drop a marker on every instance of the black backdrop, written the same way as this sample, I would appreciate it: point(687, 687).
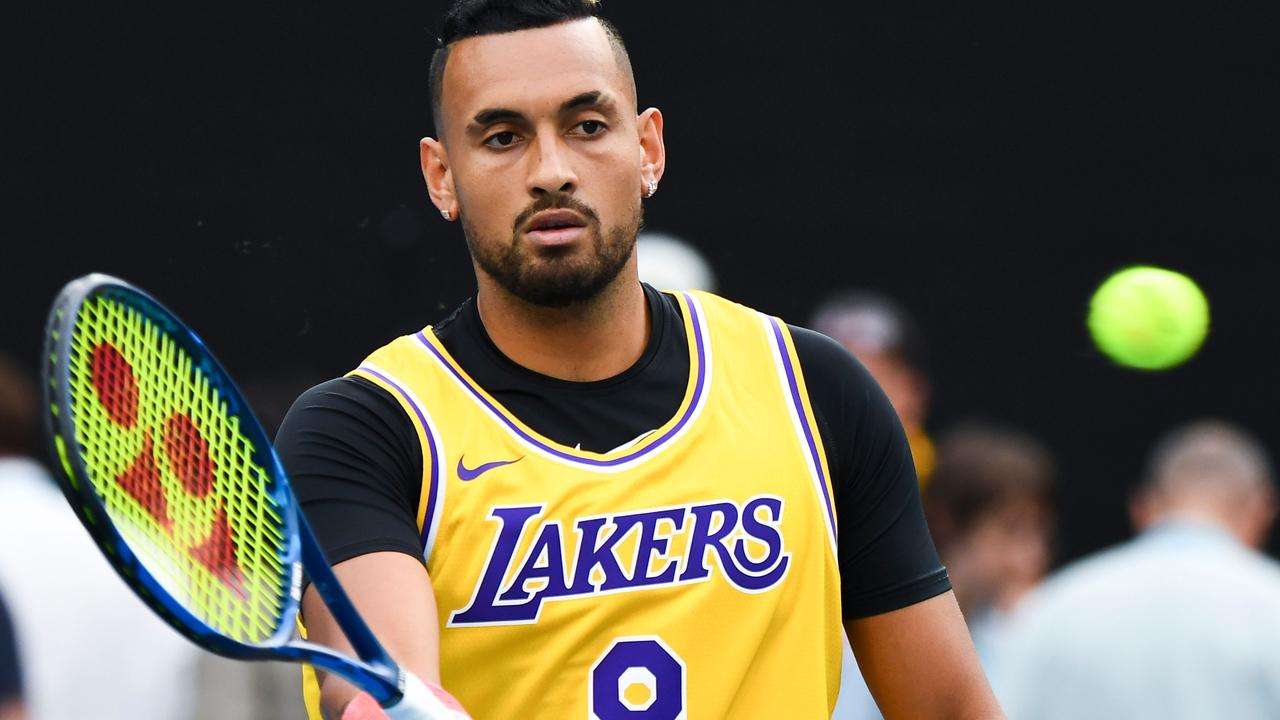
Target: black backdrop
point(257, 170)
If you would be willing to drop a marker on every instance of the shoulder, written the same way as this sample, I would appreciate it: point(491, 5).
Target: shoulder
point(343, 408)
point(838, 384)
point(1253, 573)
point(342, 392)
point(824, 358)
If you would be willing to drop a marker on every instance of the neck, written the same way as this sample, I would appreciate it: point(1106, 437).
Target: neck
point(1237, 523)
point(590, 341)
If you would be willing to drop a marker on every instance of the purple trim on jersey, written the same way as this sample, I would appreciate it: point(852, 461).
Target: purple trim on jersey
point(699, 386)
point(794, 387)
point(431, 449)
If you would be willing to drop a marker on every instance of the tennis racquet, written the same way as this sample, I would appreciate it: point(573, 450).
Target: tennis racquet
point(169, 471)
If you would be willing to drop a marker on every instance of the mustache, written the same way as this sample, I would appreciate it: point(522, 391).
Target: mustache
point(556, 201)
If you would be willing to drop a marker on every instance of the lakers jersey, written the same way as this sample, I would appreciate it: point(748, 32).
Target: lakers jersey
point(690, 573)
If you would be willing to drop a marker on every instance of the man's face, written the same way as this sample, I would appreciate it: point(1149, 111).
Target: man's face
point(544, 156)
point(1009, 548)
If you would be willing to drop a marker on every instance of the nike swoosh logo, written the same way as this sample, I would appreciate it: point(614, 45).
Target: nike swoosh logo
point(465, 473)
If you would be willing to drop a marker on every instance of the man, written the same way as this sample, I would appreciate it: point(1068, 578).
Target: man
point(1181, 622)
point(626, 501)
point(10, 673)
point(80, 626)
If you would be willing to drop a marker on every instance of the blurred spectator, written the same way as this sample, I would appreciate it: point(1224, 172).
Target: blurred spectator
point(89, 648)
point(1181, 622)
point(669, 263)
point(886, 339)
point(10, 675)
point(990, 511)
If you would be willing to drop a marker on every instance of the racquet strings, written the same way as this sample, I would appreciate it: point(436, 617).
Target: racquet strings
point(175, 473)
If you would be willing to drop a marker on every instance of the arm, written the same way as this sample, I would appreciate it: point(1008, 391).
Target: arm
point(383, 585)
point(903, 623)
point(353, 458)
point(920, 663)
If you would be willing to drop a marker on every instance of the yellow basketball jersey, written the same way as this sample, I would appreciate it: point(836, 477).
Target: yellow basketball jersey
point(688, 574)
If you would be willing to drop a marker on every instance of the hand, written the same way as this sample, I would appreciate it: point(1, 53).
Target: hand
point(363, 707)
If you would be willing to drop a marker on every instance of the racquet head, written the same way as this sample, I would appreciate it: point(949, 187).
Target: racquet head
point(168, 469)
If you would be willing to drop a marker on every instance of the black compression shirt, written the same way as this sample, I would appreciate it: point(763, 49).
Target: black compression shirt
point(355, 463)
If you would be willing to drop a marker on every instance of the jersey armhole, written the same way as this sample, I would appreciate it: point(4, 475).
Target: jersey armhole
point(431, 496)
point(797, 396)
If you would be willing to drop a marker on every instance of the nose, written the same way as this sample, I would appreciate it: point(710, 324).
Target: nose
point(553, 170)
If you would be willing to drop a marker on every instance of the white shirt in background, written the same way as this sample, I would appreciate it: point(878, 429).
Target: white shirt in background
point(89, 648)
point(1181, 623)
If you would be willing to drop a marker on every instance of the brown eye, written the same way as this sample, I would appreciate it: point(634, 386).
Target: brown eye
point(591, 127)
point(501, 140)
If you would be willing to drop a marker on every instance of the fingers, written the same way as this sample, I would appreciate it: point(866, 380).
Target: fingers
point(363, 707)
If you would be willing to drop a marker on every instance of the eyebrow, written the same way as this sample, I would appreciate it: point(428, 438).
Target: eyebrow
point(591, 98)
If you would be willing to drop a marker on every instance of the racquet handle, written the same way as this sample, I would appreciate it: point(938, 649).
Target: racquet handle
point(425, 702)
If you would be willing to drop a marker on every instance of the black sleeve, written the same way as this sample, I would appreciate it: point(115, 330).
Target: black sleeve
point(10, 675)
point(355, 463)
point(886, 555)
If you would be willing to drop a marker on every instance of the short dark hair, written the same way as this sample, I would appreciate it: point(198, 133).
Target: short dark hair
point(980, 468)
point(473, 18)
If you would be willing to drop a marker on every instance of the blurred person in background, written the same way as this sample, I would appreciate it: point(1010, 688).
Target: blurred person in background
point(89, 648)
point(1181, 622)
point(990, 511)
point(886, 339)
point(10, 674)
point(669, 263)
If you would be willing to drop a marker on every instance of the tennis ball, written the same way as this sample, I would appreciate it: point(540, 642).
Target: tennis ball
point(1148, 317)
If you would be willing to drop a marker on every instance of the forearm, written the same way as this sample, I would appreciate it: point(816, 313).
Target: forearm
point(392, 592)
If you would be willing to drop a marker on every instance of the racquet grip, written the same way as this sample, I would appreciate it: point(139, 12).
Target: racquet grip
point(424, 702)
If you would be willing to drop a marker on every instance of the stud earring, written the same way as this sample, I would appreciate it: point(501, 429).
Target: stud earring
point(445, 214)
point(651, 188)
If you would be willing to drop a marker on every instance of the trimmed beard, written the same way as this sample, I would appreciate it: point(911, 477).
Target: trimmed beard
point(546, 277)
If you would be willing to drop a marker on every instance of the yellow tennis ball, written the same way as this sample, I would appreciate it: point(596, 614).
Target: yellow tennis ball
point(1148, 317)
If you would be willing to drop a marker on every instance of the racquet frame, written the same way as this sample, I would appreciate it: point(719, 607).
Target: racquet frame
point(374, 671)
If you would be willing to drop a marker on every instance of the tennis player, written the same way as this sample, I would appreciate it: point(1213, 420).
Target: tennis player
point(577, 496)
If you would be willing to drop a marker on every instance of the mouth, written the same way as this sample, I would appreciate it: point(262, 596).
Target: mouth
point(555, 227)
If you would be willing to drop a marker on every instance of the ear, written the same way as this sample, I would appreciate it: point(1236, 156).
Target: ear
point(653, 152)
point(439, 176)
point(1144, 509)
point(1260, 517)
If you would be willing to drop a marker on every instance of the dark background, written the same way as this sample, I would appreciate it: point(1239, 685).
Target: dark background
point(257, 170)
